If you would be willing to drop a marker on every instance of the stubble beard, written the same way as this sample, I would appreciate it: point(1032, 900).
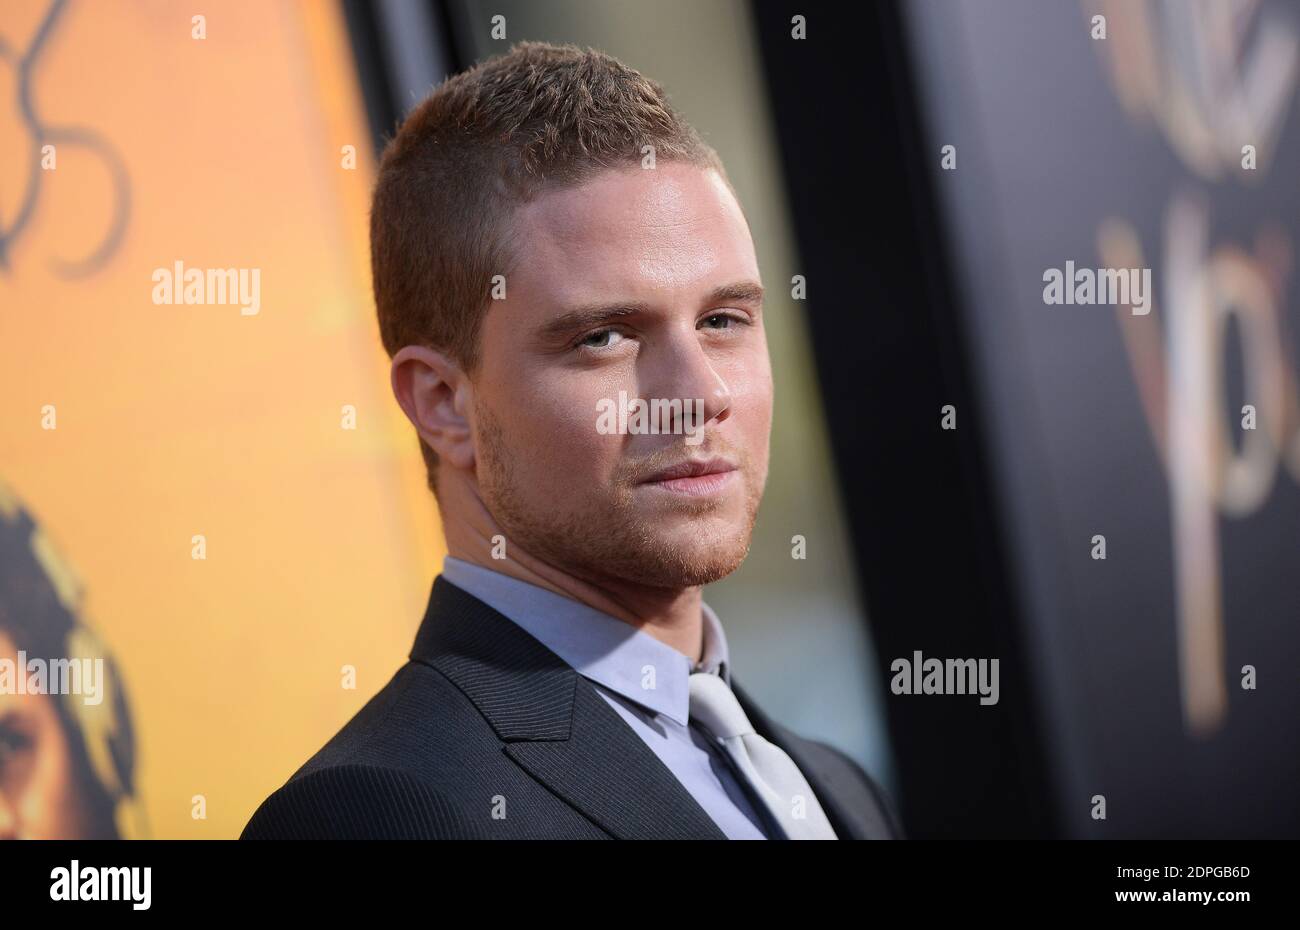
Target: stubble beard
point(612, 539)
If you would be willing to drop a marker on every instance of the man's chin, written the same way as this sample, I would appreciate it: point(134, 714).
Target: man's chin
point(676, 549)
point(703, 572)
point(669, 561)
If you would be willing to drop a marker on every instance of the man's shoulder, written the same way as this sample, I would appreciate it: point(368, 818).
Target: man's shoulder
point(396, 769)
point(356, 801)
point(853, 787)
point(844, 781)
point(884, 806)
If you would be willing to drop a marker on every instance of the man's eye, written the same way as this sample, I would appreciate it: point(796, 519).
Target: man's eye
point(601, 339)
point(726, 319)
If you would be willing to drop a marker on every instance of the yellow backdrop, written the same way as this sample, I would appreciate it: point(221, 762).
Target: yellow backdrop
point(128, 428)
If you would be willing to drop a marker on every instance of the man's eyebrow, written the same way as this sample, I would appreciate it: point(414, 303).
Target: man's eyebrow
point(571, 321)
point(583, 317)
point(742, 292)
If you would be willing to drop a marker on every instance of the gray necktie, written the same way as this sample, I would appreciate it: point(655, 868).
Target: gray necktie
point(775, 778)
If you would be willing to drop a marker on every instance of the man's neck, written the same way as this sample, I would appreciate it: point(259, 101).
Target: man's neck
point(672, 616)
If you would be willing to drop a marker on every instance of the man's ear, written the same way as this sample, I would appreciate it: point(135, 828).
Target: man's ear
point(434, 393)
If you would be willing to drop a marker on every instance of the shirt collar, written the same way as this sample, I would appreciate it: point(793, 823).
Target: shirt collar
point(601, 648)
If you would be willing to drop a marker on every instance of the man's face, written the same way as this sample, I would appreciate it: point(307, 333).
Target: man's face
point(643, 282)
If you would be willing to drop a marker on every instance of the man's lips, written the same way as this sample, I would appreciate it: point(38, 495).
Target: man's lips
point(694, 476)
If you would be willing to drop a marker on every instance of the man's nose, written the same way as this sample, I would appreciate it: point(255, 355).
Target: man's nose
point(685, 371)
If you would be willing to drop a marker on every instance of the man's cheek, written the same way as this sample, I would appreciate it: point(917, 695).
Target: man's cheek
point(568, 451)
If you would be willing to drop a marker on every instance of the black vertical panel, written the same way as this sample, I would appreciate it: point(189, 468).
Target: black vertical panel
point(372, 71)
point(374, 67)
point(886, 329)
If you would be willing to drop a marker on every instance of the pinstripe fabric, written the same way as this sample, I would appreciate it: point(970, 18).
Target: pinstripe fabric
point(486, 734)
point(363, 802)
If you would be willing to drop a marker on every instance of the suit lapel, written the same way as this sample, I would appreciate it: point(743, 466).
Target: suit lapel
point(554, 723)
point(606, 771)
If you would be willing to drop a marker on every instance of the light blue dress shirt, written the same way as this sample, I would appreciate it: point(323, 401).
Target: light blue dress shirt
point(645, 680)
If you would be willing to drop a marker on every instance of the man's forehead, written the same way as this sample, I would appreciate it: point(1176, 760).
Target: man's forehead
point(631, 197)
point(665, 228)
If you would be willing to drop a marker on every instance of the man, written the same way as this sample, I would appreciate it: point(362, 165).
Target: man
point(548, 240)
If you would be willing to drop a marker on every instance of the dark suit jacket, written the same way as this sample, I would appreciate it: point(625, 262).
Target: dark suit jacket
point(486, 720)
